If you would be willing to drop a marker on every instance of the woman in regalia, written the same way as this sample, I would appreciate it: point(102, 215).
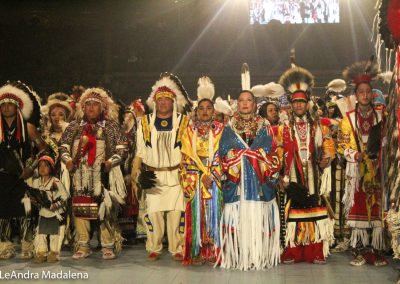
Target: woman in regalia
point(200, 178)
point(250, 221)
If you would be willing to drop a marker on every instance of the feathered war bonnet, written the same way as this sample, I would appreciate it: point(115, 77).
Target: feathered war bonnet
point(28, 106)
point(169, 86)
point(110, 109)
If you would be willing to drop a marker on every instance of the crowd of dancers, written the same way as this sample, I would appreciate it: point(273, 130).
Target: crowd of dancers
point(276, 176)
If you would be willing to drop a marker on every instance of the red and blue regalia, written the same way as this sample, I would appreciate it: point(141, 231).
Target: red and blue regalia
point(250, 221)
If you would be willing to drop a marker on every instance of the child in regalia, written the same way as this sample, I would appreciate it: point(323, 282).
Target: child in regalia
point(49, 194)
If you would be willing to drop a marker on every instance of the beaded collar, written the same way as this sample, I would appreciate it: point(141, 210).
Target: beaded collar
point(203, 128)
point(247, 126)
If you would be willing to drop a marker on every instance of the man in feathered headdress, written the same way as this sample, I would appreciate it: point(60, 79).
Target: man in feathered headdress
point(19, 120)
point(92, 148)
point(155, 167)
point(306, 150)
point(360, 143)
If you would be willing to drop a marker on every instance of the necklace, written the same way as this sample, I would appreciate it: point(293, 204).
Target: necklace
point(10, 134)
point(365, 114)
point(203, 128)
point(246, 126)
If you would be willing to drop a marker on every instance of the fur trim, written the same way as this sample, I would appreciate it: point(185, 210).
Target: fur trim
point(24, 102)
point(205, 89)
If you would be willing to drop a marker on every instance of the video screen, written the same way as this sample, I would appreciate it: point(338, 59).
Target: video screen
point(294, 11)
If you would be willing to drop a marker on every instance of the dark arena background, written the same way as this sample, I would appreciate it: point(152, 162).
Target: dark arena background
point(125, 45)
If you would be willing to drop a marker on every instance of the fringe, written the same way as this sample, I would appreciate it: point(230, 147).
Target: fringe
point(393, 222)
point(364, 224)
point(253, 242)
point(326, 181)
point(325, 231)
point(61, 236)
point(378, 239)
point(117, 184)
point(65, 178)
point(314, 232)
point(352, 181)
point(27, 204)
point(359, 235)
point(6, 249)
point(5, 230)
point(229, 236)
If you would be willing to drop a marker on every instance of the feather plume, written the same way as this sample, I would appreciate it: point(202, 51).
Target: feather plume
point(205, 89)
point(270, 90)
point(386, 77)
point(297, 79)
point(293, 58)
point(368, 68)
point(147, 179)
point(245, 77)
point(337, 85)
point(222, 106)
point(346, 104)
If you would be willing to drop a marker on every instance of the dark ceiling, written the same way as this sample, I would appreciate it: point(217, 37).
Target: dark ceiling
point(125, 45)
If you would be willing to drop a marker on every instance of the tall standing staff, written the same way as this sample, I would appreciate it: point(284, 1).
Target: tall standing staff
point(201, 180)
point(360, 140)
point(156, 166)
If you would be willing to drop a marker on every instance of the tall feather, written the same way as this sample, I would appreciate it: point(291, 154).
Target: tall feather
point(245, 77)
point(293, 58)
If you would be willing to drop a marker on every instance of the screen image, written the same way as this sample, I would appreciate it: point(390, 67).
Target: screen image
point(294, 11)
